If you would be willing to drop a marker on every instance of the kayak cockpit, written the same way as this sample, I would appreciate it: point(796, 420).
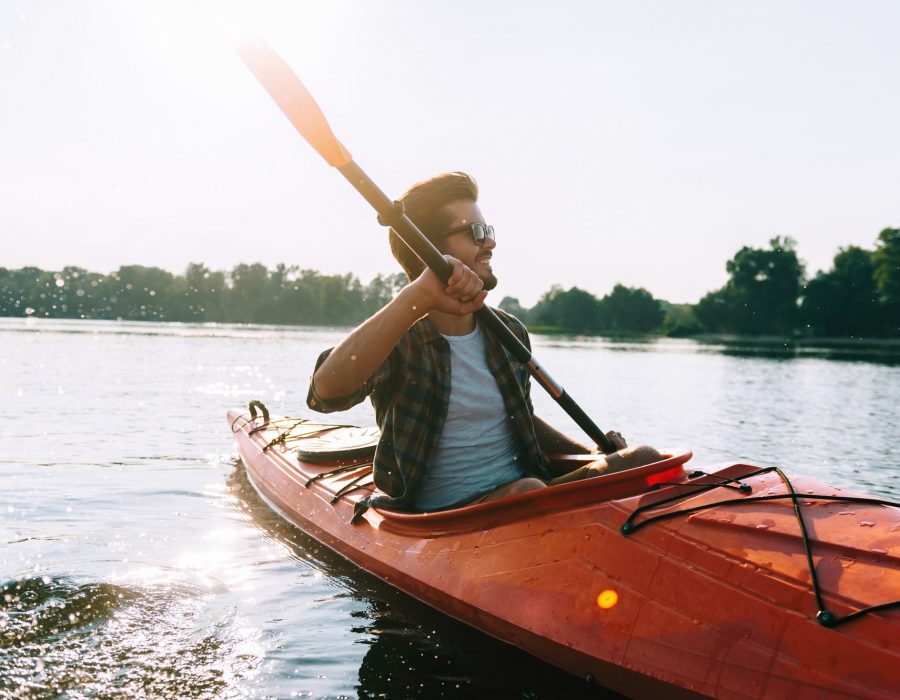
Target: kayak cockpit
point(336, 460)
point(624, 484)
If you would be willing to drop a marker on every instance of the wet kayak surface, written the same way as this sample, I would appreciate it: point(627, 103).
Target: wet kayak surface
point(138, 561)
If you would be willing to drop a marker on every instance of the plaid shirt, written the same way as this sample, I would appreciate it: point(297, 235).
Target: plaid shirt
point(410, 394)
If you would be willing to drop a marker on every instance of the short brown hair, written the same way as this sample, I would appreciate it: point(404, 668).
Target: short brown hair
point(424, 204)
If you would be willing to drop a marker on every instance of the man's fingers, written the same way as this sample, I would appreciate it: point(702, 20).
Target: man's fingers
point(466, 287)
point(615, 437)
point(474, 304)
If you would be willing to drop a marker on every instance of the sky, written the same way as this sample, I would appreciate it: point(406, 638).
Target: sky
point(636, 142)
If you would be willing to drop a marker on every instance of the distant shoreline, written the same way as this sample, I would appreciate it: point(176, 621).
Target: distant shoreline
point(731, 339)
point(768, 341)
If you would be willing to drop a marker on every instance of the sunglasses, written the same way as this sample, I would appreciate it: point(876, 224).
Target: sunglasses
point(480, 232)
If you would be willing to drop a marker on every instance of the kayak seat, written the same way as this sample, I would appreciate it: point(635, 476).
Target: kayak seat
point(575, 494)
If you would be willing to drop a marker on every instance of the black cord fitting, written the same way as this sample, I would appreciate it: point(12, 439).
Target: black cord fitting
point(626, 529)
point(694, 475)
point(745, 488)
point(826, 618)
point(390, 218)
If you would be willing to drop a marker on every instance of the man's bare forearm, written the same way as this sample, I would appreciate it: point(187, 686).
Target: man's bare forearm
point(356, 358)
point(553, 441)
point(363, 351)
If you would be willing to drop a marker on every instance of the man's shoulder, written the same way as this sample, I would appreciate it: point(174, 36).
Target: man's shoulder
point(421, 332)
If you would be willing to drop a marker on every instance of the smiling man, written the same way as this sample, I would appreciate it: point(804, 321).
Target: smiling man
point(453, 406)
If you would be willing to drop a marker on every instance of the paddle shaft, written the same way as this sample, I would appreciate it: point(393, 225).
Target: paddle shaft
point(391, 215)
point(298, 105)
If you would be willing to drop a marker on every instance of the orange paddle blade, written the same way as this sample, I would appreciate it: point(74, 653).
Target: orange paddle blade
point(293, 98)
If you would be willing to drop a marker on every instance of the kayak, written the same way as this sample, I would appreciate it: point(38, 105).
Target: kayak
point(731, 581)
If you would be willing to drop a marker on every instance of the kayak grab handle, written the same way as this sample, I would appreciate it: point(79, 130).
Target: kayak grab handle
point(262, 407)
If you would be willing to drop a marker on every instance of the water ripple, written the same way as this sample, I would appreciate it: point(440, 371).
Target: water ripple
point(100, 640)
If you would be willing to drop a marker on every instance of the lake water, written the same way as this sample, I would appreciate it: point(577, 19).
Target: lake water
point(138, 562)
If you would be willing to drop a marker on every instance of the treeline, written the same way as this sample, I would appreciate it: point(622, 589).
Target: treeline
point(246, 294)
point(624, 310)
point(767, 293)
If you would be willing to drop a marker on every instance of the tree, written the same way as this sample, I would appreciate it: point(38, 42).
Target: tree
point(381, 290)
point(844, 301)
point(571, 310)
point(887, 278)
point(204, 293)
point(630, 310)
point(761, 294)
point(248, 297)
point(681, 321)
point(512, 306)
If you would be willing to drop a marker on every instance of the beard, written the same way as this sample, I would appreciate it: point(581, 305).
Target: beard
point(489, 279)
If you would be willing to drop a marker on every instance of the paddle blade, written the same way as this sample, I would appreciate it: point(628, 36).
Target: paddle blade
point(293, 98)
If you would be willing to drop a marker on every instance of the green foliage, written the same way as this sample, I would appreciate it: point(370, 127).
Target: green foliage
point(761, 295)
point(571, 310)
point(624, 310)
point(512, 306)
point(858, 297)
point(248, 294)
point(843, 302)
point(680, 320)
point(887, 277)
point(630, 310)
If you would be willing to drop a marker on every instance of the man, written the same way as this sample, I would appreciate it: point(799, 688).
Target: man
point(453, 406)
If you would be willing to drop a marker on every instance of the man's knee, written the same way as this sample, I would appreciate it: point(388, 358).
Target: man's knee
point(525, 485)
point(645, 454)
point(632, 457)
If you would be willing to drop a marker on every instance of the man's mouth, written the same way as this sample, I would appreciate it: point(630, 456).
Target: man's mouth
point(486, 258)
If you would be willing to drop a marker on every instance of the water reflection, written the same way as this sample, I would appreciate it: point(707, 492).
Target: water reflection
point(414, 651)
point(878, 353)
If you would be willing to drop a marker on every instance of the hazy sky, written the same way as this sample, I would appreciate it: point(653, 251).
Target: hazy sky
point(634, 142)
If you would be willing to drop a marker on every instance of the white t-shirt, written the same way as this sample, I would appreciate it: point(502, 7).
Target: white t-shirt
point(477, 450)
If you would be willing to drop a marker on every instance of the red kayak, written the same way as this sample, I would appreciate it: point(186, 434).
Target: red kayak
point(733, 581)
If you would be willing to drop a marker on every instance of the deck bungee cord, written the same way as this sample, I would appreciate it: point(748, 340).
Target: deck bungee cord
point(825, 617)
point(286, 428)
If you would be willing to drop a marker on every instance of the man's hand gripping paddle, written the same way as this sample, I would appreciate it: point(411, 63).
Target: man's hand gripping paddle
point(301, 109)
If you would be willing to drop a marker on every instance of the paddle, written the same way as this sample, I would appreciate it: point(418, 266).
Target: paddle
point(301, 109)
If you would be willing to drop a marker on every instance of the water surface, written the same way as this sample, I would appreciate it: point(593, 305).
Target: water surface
point(138, 562)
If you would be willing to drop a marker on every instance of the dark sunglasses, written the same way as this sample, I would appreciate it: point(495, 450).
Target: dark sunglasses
point(480, 232)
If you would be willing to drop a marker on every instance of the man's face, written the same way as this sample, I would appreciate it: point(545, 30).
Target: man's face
point(461, 245)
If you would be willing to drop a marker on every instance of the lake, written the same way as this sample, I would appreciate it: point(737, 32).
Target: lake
point(137, 560)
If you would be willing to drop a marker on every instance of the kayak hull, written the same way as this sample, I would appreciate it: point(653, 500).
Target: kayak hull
point(715, 603)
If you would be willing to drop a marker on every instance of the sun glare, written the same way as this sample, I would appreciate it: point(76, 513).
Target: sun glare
point(607, 599)
point(191, 42)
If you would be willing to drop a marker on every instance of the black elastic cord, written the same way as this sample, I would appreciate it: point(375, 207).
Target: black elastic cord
point(825, 617)
point(283, 438)
point(723, 481)
point(354, 484)
point(333, 472)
